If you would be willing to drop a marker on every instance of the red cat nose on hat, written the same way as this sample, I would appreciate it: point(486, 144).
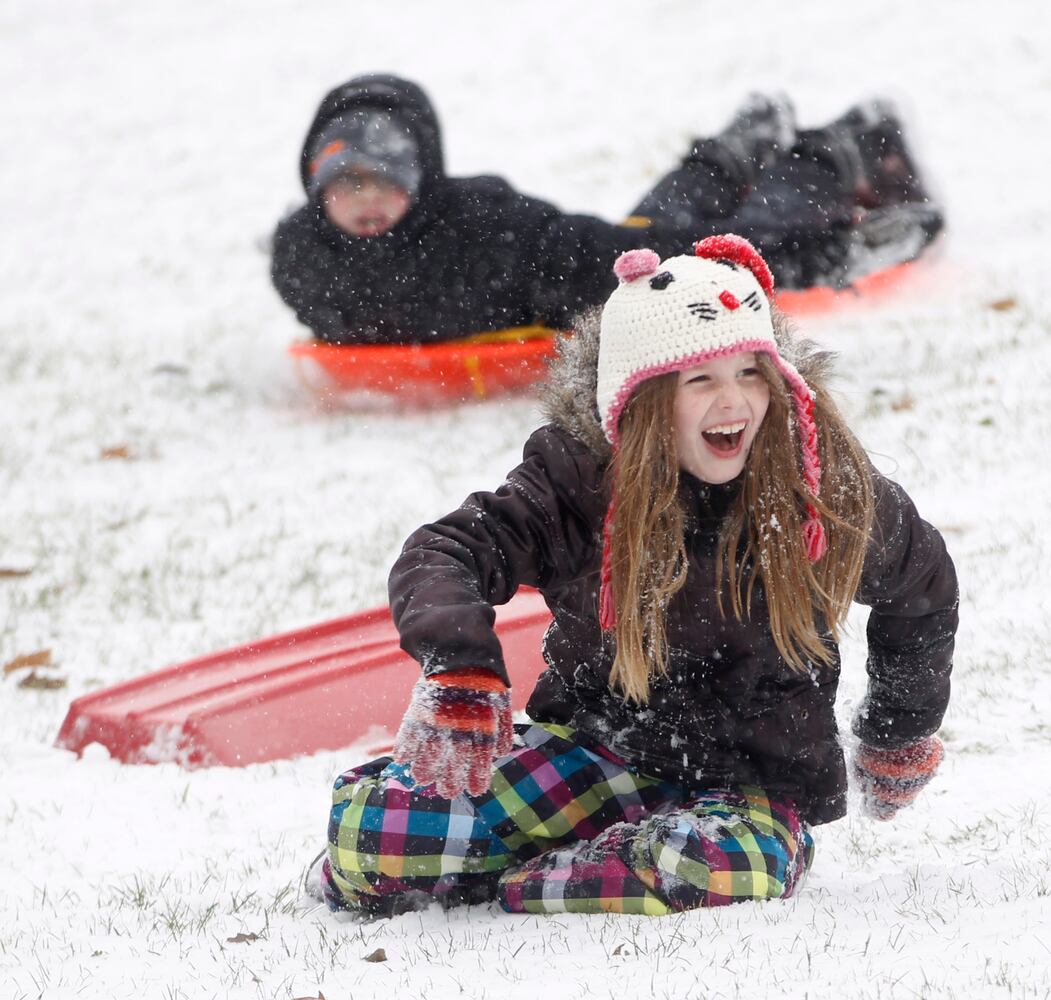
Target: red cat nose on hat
point(729, 300)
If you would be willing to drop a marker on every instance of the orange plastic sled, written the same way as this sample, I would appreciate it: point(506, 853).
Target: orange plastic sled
point(504, 361)
point(474, 368)
point(822, 299)
point(341, 682)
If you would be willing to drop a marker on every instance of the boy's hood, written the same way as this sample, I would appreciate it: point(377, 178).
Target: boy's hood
point(382, 92)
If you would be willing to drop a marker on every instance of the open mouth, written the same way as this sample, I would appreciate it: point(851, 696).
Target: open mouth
point(372, 223)
point(726, 438)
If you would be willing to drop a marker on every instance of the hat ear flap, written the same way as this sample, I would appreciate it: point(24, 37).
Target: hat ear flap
point(740, 251)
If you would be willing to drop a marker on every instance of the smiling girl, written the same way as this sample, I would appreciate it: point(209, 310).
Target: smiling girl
point(699, 519)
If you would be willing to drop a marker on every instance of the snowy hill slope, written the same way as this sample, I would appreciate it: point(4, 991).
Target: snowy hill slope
point(149, 153)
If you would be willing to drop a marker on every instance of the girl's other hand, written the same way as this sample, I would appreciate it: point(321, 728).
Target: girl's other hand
point(891, 779)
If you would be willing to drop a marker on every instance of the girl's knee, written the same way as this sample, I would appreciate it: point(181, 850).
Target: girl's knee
point(706, 860)
point(392, 841)
point(364, 855)
point(586, 877)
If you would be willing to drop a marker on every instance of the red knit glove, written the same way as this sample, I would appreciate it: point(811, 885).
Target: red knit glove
point(891, 779)
point(457, 724)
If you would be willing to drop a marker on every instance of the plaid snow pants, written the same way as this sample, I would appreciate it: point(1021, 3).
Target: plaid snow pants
point(566, 826)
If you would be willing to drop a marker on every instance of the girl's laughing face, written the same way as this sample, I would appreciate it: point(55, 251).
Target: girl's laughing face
point(719, 407)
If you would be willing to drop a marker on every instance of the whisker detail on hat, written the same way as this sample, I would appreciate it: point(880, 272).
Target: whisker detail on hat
point(702, 310)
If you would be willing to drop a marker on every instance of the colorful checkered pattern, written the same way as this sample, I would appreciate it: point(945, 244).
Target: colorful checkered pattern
point(564, 826)
point(713, 849)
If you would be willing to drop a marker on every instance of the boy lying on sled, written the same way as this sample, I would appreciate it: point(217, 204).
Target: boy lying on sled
point(389, 249)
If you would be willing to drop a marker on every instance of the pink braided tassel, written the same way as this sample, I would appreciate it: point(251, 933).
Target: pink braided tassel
point(814, 539)
point(607, 608)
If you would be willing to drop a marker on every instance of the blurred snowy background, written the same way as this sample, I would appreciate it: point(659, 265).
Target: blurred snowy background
point(169, 488)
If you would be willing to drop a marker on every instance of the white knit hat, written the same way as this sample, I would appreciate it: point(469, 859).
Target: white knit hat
point(665, 317)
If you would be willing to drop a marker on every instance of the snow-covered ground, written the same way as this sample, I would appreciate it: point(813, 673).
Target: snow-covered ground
point(149, 149)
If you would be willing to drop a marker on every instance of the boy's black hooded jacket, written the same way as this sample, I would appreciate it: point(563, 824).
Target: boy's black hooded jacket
point(472, 254)
point(731, 711)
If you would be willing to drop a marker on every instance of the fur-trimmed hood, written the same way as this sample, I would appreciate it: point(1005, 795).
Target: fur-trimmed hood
point(568, 394)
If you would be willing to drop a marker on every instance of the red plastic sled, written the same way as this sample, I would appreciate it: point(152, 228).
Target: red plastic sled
point(321, 688)
point(504, 361)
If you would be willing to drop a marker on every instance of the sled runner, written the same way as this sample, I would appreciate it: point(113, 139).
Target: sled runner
point(505, 361)
point(320, 688)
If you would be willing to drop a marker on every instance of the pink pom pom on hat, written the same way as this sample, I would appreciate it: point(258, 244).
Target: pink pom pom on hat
point(636, 264)
point(676, 314)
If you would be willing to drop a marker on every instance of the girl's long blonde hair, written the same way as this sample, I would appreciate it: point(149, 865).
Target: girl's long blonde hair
point(761, 539)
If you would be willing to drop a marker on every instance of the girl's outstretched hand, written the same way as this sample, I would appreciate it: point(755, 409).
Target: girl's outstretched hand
point(457, 724)
point(891, 779)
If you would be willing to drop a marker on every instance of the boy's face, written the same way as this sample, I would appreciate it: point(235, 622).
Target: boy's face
point(363, 204)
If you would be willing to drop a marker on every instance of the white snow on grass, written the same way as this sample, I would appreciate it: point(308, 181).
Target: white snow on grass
point(148, 153)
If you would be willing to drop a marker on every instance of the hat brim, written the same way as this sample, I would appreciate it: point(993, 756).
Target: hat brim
point(350, 161)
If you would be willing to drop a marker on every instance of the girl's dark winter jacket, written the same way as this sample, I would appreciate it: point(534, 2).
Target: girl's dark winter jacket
point(730, 711)
point(472, 254)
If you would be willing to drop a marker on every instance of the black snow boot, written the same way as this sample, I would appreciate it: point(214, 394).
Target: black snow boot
point(867, 148)
point(719, 172)
point(894, 217)
point(886, 237)
point(762, 130)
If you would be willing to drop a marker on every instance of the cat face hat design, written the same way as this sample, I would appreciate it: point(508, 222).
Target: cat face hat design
point(668, 316)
